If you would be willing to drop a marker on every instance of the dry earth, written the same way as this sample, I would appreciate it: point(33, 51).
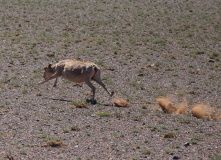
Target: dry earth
point(145, 49)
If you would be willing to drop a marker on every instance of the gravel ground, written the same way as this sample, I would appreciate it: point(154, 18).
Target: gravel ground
point(145, 49)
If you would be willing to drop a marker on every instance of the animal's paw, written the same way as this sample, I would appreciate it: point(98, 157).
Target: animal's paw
point(91, 101)
point(94, 102)
point(112, 93)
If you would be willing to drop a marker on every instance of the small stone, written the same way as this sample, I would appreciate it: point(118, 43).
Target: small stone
point(186, 144)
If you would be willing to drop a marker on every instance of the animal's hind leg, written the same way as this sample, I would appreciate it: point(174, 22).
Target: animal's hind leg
point(93, 90)
point(98, 80)
point(55, 83)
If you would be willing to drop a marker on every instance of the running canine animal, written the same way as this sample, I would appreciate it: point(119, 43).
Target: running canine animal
point(75, 71)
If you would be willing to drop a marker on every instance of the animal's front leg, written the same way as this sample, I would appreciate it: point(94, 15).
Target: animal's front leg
point(42, 82)
point(56, 75)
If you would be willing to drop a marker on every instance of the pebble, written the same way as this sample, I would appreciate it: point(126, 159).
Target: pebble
point(152, 65)
point(187, 144)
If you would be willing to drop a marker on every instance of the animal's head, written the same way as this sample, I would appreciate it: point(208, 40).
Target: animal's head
point(49, 71)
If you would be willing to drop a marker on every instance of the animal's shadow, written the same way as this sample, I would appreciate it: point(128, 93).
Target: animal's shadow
point(88, 101)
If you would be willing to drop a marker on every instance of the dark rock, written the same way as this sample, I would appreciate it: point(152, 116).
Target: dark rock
point(211, 61)
point(186, 144)
point(176, 157)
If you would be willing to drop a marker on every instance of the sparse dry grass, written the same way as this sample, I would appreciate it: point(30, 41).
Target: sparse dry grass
point(79, 104)
point(169, 135)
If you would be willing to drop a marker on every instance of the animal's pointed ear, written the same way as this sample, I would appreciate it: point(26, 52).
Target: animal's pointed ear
point(49, 66)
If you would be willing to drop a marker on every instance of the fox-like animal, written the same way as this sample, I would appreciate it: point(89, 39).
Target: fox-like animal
point(75, 71)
